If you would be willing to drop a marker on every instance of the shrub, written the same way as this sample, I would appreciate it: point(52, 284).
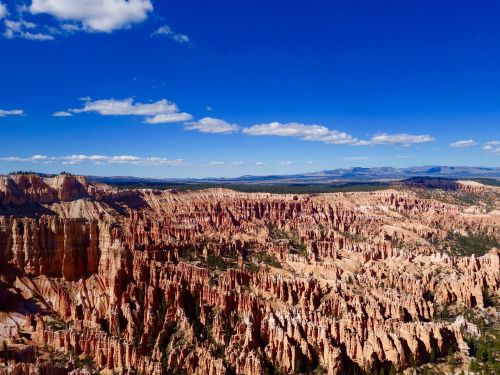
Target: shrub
point(486, 352)
point(217, 262)
point(476, 244)
point(5, 349)
point(269, 259)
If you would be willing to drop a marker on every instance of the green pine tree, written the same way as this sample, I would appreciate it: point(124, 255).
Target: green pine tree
point(433, 354)
point(5, 349)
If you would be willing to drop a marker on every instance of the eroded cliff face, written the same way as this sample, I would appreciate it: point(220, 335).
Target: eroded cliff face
point(220, 282)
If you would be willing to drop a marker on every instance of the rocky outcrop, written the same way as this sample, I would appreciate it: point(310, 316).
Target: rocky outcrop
point(220, 282)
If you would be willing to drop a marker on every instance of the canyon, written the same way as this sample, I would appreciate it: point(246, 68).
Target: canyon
point(96, 279)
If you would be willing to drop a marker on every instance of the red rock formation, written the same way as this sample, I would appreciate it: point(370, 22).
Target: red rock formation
point(217, 282)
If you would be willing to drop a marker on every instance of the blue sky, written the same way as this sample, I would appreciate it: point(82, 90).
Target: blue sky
point(227, 88)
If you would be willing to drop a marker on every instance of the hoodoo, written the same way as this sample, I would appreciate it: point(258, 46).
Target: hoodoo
point(220, 282)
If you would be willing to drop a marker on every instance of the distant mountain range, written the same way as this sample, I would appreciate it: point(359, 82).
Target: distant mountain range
point(326, 176)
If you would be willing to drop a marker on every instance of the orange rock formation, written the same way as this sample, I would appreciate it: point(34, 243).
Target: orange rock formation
point(219, 282)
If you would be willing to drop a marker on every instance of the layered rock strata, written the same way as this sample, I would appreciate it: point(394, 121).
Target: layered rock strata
point(221, 282)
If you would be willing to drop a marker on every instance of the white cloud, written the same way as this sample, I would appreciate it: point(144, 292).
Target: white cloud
point(208, 108)
point(464, 143)
point(165, 30)
point(112, 107)
point(401, 138)
point(62, 114)
point(286, 162)
point(170, 117)
point(260, 163)
point(158, 112)
point(304, 132)
point(287, 130)
point(70, 27)
point(212, 125)
point(320, 133)
point(3, 11)
point(181, 38)
point(492, 147)
point(338, 138)
point(25, 30)
point(11, 112)
point(97, 159)
point(225, 164)
point(95, 15)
